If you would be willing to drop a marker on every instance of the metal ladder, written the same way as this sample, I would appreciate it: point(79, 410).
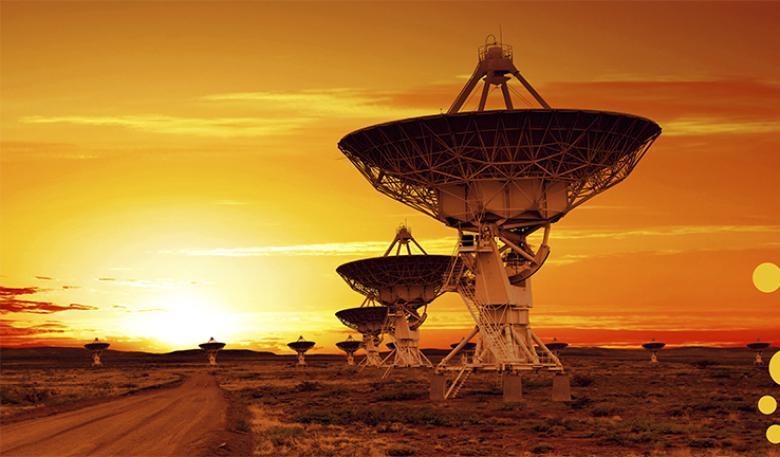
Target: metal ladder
point(490, 331)
point(458, 382)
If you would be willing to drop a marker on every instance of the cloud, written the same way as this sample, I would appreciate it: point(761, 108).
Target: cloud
point(446, 245)
point(346, 249)
point(339, 103)
point(128, 309)
point(41, 150)
point(8, 329)
point(221, 127)
point(682, 107)
point(14, 291)
point(10, 304)
point(583, 234)
point(711, 126)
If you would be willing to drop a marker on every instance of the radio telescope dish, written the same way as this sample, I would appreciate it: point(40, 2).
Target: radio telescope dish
point(350, 347)
point(211, 347)
point(405, 283)
point(301, 346)
point(411, 280)
point(653, 347)
point(466, 352)
point(557, 346)
point(758, 347)
point(499, 176)
point(96, 348)
point(371, 322)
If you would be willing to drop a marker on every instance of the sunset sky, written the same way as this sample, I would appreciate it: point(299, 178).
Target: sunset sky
point(169, 171)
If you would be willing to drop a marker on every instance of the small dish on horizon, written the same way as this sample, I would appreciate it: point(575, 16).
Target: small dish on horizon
point(212, 347)
point(96, 347)
point(300, 346)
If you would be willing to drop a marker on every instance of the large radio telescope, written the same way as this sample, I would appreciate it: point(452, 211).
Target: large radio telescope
point(212, 347)
point(371, 323)
point(96, 348)
point(497, 177)
point(405, 283)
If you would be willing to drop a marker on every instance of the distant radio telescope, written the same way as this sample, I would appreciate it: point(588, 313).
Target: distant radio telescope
point(371, 322)
point(211, 347)
point(405, 283)
point(301, 346)
point(498, 177)
point(466, 352)
point(349, 346)
point(653, 347)
point(96, 348)
point(758, 347)
point(557, 346)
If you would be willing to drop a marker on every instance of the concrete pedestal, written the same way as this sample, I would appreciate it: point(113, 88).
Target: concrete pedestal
point(561, 390)
point(513, 387)
point(438, 387)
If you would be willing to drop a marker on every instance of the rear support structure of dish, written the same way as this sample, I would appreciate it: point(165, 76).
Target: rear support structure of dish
point(372, 358)
point(496, 289)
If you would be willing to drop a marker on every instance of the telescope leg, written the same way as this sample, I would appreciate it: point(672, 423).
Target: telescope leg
point(438, 386)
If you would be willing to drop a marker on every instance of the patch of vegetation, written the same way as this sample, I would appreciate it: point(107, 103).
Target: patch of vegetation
point(24, 395)
point(418, 415)
point(603, 411)
point(308, 386)
point(581, 380)
point(401, 395)
point(400, 451)
point(283, 435)
point(579, 403)
point(703, 364)
point(542, 449)
point(701, 444)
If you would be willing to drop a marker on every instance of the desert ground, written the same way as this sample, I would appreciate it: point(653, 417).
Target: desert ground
point(698, 401)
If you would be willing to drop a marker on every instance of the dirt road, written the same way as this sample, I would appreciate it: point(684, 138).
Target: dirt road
point(171, 422)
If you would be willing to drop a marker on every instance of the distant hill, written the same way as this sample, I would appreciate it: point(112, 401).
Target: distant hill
point(70, 356)
point(80, 356)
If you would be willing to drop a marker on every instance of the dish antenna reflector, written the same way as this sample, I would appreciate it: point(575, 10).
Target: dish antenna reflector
point(653, 347)
point(301, 346)
point(96, 348)
point(212, 347)
point(371, 322)
point(758, 347)
point(349, 346)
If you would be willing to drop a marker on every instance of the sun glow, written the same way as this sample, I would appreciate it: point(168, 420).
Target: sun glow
point(184, 319)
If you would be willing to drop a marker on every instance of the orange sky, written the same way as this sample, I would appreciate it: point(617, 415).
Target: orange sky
point(169, 171)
